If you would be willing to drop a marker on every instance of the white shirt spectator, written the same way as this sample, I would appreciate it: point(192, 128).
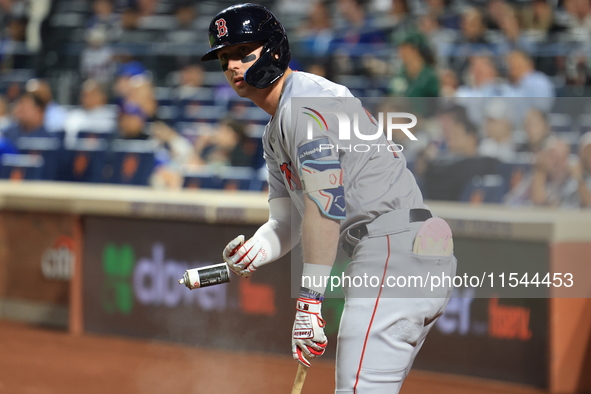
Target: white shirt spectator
point(502, 151)
point(97, 64)
point(99, 120)
point(538, 86)
point(55, 116)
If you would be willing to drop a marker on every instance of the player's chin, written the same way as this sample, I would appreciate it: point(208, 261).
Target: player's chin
point(242, 91)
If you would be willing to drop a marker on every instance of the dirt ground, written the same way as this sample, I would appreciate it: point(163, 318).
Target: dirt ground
point(35, 360)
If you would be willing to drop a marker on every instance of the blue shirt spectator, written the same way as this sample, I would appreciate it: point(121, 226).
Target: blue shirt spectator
point(530, 83)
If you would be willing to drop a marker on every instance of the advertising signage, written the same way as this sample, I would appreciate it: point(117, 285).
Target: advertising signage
point(131, 269)
point(492, 337)
point(130, 275)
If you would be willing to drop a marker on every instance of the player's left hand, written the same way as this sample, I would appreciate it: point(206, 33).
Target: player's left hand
point(308, 339)
point(244, 258)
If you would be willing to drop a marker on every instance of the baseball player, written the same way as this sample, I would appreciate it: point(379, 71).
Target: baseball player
point(367, 202)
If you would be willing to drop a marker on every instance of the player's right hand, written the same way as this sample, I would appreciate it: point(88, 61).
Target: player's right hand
point(244, 258)
point(308, 339)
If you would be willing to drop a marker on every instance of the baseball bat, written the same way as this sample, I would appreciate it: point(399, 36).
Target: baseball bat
point(299, 379)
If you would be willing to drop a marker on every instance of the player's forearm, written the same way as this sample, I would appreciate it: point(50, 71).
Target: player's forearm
point(281, 232)
point(320, 236)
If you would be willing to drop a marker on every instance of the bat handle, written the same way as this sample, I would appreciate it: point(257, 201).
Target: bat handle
point(299, 379)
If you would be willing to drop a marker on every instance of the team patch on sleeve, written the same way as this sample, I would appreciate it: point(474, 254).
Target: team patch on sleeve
point(323, 182)
point(314, 150)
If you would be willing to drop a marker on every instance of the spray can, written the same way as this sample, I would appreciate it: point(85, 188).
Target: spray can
point(206, 276)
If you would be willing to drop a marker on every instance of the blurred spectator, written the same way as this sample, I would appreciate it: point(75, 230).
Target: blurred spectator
point(129, 26)
point(483, 80)
point(13, 43)
point(417, 77)
point(229, 146)
point(134, 91)
point(105, 19)
point(175, 153)
point(498, 131)
point(447, 176)
point(512, 29)
point(317, 32)
point(448, 82)
point(537, 129)
point(55, 114)
point(5, 120)
point(473, 39)
point(17, 29)
point(95, 115)
point(132, 123)
point(186, 16)
point(483, 83)
point(539, 18)
point(122, 86)
point(191, 82)
point(581, 171)
point(147, 7)
point(396, 17)
point(576, 71)
point(441, 10)
point(13, 93)
point(440, 38)
point(28, 113)
point(141, 93)
point(96, 60)
point(579, 19)
point(186, 27)
point(530, 83)
point(179, 150)
point(473, 28)
point(462, 137)
point(358, 33)
point(37, 12)
point(550, 183)
point(495, 12)
point(317, 69)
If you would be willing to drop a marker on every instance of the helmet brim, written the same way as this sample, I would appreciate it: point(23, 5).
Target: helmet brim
point(212, 54)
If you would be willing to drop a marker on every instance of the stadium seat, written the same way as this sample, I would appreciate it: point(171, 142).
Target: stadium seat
point(202, 179)
point(47, 147)
point(485, 189)
point(560, 122)
point(20, 166)
point(512, 173)
point(85, 161)
point(132, 162)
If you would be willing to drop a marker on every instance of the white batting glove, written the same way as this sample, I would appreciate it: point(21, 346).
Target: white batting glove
point(244, 258)
point(308, 339)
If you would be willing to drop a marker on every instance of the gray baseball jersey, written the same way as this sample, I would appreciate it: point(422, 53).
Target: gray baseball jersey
point(375, 176)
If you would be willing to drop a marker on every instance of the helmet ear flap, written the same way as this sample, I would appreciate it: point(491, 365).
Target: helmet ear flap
point(272, 63)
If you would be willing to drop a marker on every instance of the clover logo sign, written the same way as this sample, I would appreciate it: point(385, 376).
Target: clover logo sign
point(117, 293)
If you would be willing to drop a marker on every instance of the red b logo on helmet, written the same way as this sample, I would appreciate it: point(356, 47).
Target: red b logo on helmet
point(222, 28)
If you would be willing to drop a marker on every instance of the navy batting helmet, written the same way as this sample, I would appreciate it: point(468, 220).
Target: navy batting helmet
point(244, 23)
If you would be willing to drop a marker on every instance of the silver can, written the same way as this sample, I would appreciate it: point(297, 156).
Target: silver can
point(206, 276)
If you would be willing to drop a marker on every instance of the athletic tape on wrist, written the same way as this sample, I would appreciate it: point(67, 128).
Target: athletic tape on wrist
point(309, 293)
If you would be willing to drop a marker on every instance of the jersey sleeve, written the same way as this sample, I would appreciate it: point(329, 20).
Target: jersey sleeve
point(312, 143)
point(274, 178)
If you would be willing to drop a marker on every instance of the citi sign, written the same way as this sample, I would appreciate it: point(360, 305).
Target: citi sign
point(344, 125)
